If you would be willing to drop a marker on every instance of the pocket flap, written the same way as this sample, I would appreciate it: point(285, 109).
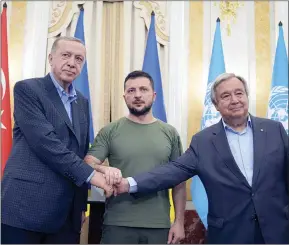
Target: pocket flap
point(28, 176)
point(215, 222)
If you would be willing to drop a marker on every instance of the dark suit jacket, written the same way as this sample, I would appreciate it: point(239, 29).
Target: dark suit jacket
point(44, 178)
point(233, 203)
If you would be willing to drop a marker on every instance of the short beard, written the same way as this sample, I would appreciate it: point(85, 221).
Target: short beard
point(141, 112)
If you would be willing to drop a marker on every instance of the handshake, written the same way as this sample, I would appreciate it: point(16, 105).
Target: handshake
point(110, 180)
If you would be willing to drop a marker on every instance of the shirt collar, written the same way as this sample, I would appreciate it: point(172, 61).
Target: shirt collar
point(71, 90)
point(226, 126)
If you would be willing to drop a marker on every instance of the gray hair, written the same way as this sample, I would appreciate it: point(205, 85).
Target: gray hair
point(224, 77)
point(64, 38)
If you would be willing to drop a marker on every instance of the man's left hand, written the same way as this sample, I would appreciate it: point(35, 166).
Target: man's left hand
point(177, 233)
point(112, 175)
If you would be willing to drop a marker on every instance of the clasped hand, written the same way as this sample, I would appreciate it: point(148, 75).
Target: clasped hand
point(112, 175)
point(116, 183)
point(111, 181)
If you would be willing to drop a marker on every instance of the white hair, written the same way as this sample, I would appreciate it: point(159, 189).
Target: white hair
point(224, 77)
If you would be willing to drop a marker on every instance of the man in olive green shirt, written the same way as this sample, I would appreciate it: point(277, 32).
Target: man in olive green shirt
point(137, 144)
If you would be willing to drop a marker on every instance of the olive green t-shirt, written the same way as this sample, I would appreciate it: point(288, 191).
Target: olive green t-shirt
point(136, 148)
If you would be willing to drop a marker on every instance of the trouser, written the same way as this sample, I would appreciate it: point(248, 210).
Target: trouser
point(133, 235)
point(14, 235)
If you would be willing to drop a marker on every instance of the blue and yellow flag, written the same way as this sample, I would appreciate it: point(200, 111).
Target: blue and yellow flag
point(151, 65)
point(81, 83)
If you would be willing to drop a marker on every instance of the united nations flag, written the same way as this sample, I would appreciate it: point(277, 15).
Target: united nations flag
point(210, 116)
point(278, 101)
point(217, 67)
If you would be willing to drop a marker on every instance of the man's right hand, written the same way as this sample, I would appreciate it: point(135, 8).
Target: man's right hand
point(98, 180)
point(122, 187)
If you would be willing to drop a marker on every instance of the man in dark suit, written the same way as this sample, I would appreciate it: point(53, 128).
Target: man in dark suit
point(242, 162)
point(44, 187)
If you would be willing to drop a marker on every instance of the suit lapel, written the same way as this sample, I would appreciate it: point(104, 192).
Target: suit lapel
point(55, 99)
point(75, 119)
point(259, 139)
point(221, 144)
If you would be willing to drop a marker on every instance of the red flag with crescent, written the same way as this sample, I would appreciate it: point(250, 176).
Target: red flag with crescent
point(6, 124)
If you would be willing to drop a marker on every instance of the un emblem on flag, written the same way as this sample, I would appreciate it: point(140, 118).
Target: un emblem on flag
point(210, 115)
point(278, 105)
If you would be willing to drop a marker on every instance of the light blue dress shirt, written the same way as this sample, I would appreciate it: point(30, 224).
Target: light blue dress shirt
point(132, 185)
point(67, 99)
point(241, 145)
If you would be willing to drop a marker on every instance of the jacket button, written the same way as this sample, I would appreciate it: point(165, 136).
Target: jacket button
point(254, 217)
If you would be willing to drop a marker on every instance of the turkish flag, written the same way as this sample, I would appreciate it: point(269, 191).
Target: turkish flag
point(6, 124)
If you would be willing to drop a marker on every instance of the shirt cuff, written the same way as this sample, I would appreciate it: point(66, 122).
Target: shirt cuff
point(90, 176)
point(132, 185)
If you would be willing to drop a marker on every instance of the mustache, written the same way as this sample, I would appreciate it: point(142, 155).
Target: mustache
point(138, 101)
point(67, 70)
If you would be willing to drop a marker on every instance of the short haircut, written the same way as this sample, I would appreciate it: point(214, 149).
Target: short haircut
point(137, 74)
point(224, 77)
point(64, 38)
